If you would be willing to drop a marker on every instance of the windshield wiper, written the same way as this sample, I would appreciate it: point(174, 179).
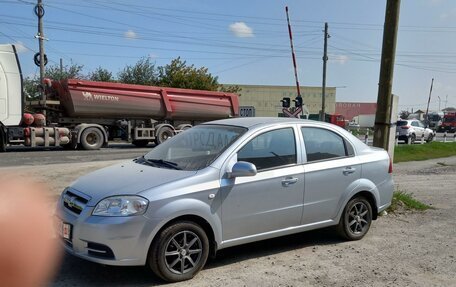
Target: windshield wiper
point(161, 162)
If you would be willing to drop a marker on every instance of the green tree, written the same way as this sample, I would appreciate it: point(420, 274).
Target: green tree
point(230, 89)
point(102, 75)
point(31, 84)
point(178, 74)
point(72, 71)
point(142, 73)
point(404, 114)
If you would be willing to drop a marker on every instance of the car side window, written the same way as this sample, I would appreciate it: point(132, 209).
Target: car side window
point(324, 144)
point(270, 149)
point(415, 124)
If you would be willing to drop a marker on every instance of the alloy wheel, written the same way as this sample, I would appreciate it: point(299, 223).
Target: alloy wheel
point(358, 218)
point(183, 252)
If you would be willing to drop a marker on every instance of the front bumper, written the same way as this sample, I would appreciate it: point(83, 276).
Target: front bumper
point(108, 240)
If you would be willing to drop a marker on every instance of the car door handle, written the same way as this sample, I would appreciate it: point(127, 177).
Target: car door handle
point(289, 181)
point(349, 170)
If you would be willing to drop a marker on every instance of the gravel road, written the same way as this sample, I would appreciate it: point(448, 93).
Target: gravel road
point(403, 249)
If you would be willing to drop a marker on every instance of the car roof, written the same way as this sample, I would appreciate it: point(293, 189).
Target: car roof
point(250, 122)
point(255, 123)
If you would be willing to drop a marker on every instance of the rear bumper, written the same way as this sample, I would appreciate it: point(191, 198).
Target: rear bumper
point(385, 190)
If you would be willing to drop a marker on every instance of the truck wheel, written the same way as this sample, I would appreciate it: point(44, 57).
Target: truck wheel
point(183, 127)
point(163, 134)
point(2, 141)
point(92, 139)
point(179, 252)
point(140, 143)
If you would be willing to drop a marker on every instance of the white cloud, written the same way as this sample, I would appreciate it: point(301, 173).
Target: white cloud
point(130, 34)
point(240, 29)
point(448, 15)
point(340, 59)
point(20, 48)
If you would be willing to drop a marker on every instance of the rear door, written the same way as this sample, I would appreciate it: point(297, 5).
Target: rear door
point(331, 171)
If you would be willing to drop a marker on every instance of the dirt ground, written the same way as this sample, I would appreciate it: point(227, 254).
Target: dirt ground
point(403, 249)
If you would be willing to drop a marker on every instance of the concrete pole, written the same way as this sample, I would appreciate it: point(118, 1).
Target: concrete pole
point(384, 99)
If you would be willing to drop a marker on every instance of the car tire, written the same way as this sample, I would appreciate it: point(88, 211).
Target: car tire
point(356, 219)
point(92, 139)
point(412, 138)
point(430, 138)
point(179, 252)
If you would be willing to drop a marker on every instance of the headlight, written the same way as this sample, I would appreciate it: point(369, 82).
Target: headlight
point(121, 206)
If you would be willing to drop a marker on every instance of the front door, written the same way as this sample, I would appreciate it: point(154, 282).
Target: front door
point(270, 200)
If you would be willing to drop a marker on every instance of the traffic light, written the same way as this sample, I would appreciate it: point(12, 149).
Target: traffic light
point(298, 102)
point(285, 102)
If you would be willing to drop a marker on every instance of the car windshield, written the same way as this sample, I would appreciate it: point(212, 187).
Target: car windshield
point(195, 148)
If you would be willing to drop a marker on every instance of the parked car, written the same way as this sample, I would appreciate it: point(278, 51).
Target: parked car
point(222, 184)
point(411, 130)
point(353, 126)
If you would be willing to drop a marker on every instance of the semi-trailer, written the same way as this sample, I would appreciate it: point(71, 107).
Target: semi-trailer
point(87, 114)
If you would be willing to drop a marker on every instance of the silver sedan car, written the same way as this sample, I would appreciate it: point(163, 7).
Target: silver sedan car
point(220, 184)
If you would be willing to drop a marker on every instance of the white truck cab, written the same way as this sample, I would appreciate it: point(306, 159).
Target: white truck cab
point(10, 86)
point(11, 98)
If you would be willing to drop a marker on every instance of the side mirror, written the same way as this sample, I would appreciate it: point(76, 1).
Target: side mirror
point(242, 168)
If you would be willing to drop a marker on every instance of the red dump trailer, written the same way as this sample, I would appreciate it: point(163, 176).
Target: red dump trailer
point(96, 112)
point(88, 114)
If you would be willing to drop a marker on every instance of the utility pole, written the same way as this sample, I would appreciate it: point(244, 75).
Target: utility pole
point(61, 66)
point(439, 102)
point(323, 89)
point(39, 12)
point(429, 100)
point(384, 99)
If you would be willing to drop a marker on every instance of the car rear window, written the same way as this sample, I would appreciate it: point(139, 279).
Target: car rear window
point(401, 123)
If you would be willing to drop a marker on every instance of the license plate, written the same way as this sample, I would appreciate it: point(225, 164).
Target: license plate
point(64, 230)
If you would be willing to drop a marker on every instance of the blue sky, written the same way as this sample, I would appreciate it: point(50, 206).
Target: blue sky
point(246, 42)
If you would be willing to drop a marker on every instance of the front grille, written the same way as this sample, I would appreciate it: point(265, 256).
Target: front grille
point(99, 250)
point(74, 202)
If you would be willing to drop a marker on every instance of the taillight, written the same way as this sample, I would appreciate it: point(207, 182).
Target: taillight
point(405, 127)
point(390, 168)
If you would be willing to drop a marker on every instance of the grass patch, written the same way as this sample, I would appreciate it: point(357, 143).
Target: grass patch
point(403, 153)
point(406, 201)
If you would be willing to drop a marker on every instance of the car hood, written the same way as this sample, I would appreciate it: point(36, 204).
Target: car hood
point(125, 179)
